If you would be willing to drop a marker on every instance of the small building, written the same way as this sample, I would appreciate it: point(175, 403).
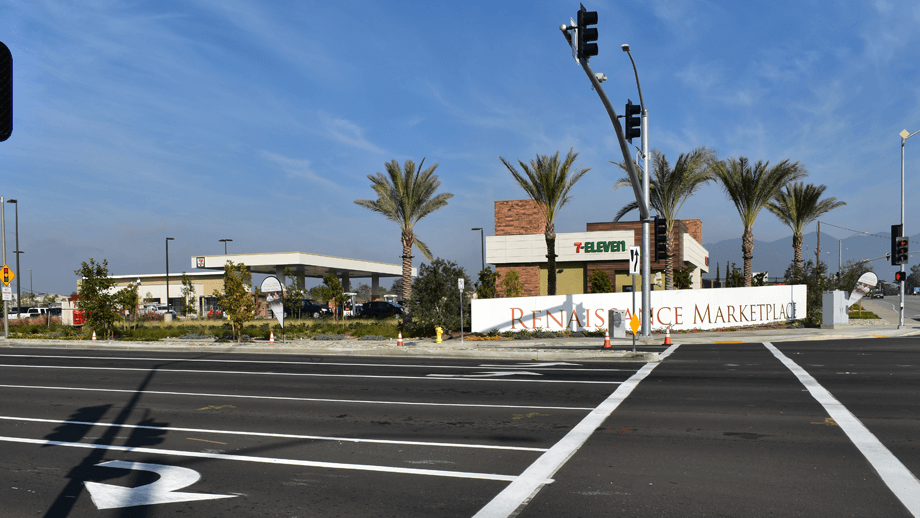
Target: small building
point(519, 244)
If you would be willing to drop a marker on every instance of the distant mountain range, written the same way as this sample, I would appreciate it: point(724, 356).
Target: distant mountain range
point(775, 257)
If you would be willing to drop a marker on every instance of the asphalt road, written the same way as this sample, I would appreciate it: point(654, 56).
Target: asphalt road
point(714, 430)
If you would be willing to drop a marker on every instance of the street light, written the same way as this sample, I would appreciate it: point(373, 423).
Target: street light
point(646, 251)
point(482, 238)
point(17, 252)
point(904, 136)
point(168, 239)
point(224, 241)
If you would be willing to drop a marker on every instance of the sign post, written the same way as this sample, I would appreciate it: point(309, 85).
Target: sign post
point(274, 295)
point(634, 265)
point(460, 286)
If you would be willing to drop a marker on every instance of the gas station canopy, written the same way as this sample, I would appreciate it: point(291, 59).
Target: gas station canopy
point(303, 265)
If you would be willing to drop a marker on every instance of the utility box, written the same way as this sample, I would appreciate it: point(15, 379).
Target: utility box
point(834, 310)
point(617, 323)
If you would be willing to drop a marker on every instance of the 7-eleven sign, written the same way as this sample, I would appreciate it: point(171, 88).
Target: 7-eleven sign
point(7, 275)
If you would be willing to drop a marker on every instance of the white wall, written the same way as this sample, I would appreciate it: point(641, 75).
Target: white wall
point(681, 309)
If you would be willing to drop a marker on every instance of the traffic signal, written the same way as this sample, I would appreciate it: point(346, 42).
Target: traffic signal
point(633, 125)
point(6, 92)
point(586, 34)
point(900, 276)
point(896, 230)
point(900, 251)
point(661, 239)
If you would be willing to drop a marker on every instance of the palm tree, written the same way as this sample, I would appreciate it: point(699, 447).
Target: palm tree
point(668, 190)
point(405, 196)
point(548, 181)
point(797, 207)
point(750, 188)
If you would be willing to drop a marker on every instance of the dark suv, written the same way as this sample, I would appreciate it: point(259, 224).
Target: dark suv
point(311, 308)
point(380, 308)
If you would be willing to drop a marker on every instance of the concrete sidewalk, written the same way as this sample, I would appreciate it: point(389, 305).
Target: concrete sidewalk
point(554, 349)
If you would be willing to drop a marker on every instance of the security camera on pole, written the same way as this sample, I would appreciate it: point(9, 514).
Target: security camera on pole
point(581, 37)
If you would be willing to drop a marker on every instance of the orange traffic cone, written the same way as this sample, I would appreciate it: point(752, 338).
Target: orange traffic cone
point(271, 337)
point(607, 339)
point(667, 336)
point(94, 336)
point(399, 340)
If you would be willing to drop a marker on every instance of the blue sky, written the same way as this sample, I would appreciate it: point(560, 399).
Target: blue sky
point(260, 121)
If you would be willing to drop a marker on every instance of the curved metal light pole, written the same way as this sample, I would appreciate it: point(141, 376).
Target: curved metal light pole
point(646, 249)
point(904, 136)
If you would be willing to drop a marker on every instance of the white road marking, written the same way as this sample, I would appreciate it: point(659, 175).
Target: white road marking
point(533, 365)
point(269, 460)
point(492, 374)
point(304, 374)
point(160, 491)
point(535, 476)
point(288, 398)
point(894, 473)
point(274, 435)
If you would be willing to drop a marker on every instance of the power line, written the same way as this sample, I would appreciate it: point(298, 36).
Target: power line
point(857, 231)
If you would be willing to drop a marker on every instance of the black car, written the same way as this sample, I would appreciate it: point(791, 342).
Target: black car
point(380, 308)
point(314, 309)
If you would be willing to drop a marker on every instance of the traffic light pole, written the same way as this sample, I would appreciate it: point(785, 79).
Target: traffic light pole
point(641, 198)
point(641, 194)
point(6, 308)
point(904, 136)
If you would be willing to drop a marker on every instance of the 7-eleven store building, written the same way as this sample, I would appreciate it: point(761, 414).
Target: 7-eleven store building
point(519, 244)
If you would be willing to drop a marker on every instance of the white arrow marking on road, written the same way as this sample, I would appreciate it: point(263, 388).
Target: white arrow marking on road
point(531, 364)
point(492, 374)
point(107, 496)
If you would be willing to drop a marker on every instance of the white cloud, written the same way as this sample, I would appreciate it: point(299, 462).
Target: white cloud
point(298, 168)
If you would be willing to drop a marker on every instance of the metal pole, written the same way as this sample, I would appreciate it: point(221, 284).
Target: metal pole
point(903, 233)
point(17, 252)
point(904, 136)
point(646, 251)
point(6, 306)
point(482, 238)
point(168, 239)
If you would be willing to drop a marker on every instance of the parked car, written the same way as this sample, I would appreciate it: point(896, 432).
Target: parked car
point(159, 309)
point(380, 308)
point(878, 295)
point(315, 309)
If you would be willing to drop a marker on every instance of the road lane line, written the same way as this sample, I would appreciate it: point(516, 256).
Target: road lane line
point(304, 374)
point(274, 435)
point(310, 399)
point(525, 487)
point(269, 460)
point(318, 364)
point(894, 473)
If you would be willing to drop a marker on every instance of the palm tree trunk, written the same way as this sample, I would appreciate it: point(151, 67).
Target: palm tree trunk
point(747, 252)
point(669, 262)
point(550, 258)
point(797, 246)
point(407, 239)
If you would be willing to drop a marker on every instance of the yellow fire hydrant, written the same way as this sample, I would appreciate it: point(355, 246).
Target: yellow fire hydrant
point(439, 331)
